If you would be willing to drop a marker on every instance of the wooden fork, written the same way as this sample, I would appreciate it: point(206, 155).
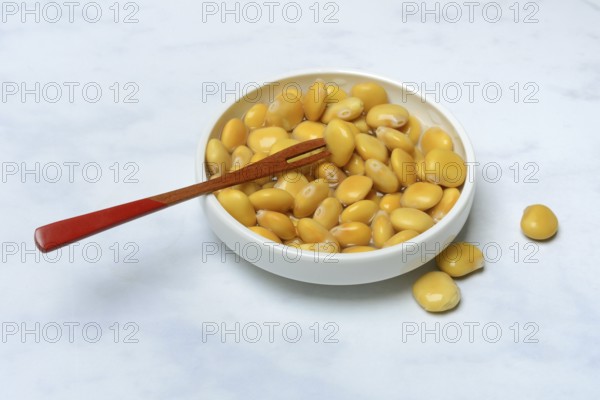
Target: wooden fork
point(58, 234)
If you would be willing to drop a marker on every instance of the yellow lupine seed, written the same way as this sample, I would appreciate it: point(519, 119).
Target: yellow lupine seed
point(368, 146)
point(328, 212)
point(436, 138)
point(218, 159)
point(309, 197)
point(358, 249)
point(353, 128)
point(295, 242)
point(394, 139)
point(234, 134)
point(248, 188)
point(401, 237)
point(404, 167)
point(353, 189)
point(436, 291)
point(285, 111)
point(292, 92)
point(383, 177)
point(238, 205)
point(381, 228)
point(370, 93)
point(449, 199)
point(347, 109)
point(390, 115)
point(352, 234)
point(255, 116)
point(539, 222)
point(361, 211)
point(294, 221)
point(355, 166)
point(445, 168)
point(331, 173)
point(422, 196)
point(292, 182)
point(310, 231)
point(411, 218)
point(413, 129)
point(308, 170)
point(459, 259)
point(278, 223)
point(419, 164)
point(335, 93)
point(325, 247)
point(340, 141)
point(308, 130)
point(267, 234)
point(265, 182)
point(241, 156)
point(272, 199)
point(258, 156)
point(262, 139)
point(361, 124)
point(282, 144)
point(373, 195)
point(390, 202)
point(314, 101)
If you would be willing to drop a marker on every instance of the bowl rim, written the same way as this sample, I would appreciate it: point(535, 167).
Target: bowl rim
point(467, 191)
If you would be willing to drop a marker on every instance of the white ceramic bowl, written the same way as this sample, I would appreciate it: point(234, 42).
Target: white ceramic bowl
point(340, 269)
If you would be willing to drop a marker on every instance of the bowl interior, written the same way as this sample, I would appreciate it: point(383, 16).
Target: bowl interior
point(429, 114)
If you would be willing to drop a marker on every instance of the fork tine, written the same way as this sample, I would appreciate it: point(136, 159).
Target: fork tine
point(310, 159)
point(301, 148)
point(277, 162)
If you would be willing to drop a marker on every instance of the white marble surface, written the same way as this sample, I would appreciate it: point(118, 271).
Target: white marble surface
point(172, 294)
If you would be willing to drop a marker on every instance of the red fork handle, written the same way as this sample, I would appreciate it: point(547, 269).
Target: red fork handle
point(61, 233)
